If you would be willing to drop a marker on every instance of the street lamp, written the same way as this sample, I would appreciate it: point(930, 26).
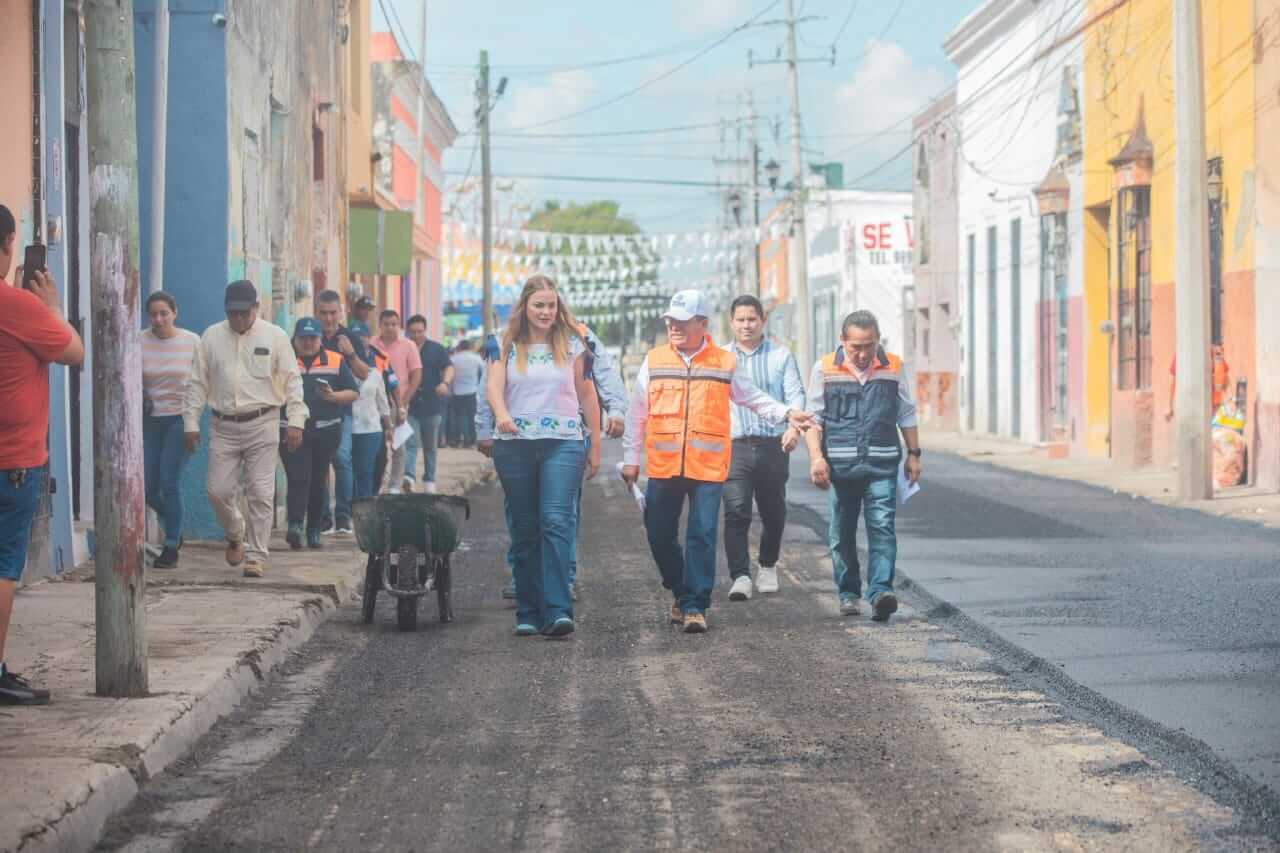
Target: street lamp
point(1215, 186)
point(735, 204)
point(772, 171)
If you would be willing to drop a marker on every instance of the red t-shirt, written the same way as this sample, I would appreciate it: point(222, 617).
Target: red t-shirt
point(31, 336)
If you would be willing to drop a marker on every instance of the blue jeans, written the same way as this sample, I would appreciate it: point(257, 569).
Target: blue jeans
point(878, 499)
point(164, 456)
point(690, 573)
point(573, 558)
point(18, 504)
point(541, 479)
point(343, 479)
point(364, 450)
point(426, 435)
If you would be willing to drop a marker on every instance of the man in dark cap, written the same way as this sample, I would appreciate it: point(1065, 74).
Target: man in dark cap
point(245, 370)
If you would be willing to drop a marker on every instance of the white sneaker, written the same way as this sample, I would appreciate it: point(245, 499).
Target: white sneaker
point(429, 487)
point(406, 486)
point(741, 589)
point(767, 580)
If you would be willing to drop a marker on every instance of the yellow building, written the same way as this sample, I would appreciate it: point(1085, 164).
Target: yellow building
point(1129, 199)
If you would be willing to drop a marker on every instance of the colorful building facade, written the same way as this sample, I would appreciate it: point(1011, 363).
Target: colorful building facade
point(397, 86)
point(1129, 189)
point(44, 184)
point(1020, 281)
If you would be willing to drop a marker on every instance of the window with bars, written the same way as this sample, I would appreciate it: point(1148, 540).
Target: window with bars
point(1133, 276)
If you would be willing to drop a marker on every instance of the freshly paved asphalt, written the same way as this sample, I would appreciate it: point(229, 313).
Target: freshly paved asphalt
point(1170, 613)
point(785, 727)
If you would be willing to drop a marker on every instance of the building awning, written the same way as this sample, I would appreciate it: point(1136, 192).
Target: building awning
point(1134, 164)
point(381, 241)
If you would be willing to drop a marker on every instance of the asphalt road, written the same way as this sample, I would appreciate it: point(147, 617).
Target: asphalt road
point(784, 728)
point(1170, 613)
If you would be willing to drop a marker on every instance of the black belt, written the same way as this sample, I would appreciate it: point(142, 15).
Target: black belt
point(246, 417)
point(760, 439)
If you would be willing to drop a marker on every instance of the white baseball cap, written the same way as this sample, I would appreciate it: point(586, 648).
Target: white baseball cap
point(685, 305)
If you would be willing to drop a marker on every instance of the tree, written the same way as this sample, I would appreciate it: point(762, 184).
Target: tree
point(597, 217)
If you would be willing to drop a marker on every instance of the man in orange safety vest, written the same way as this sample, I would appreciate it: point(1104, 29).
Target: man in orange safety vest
point(679, 416)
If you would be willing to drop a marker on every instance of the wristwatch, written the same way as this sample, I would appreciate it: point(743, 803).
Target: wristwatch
point(916, 452)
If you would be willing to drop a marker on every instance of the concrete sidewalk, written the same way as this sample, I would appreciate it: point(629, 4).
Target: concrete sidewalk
point(1155, 483)
point(213, 636)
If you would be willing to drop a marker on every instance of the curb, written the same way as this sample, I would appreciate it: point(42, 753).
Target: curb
point(115, 780)
point(1192, 759)
point(82, 822)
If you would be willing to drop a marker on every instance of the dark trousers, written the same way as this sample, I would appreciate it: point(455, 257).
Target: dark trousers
point(307, 471)
point(759, 470)
point(689, 572)
point(462, 420)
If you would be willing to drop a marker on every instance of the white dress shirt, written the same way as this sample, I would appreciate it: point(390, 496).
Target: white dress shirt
point(238, 374)
point(741, 392)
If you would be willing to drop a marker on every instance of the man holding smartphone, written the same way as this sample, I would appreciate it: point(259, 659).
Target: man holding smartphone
point(33, 334)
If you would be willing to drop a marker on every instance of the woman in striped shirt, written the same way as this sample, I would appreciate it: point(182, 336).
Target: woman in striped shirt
point(167, 355)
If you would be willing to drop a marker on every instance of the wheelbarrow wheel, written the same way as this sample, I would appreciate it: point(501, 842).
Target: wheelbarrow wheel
point(407, 613)
point(407, 579)
point(372, 580)
point(444, 589)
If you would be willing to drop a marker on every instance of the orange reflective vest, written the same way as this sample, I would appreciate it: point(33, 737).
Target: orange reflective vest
point(687, 434)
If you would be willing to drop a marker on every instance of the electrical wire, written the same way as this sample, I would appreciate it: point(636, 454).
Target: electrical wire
point(651, 81)
point(853, 7)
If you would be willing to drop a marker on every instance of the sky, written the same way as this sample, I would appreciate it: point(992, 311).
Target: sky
point(689, 58)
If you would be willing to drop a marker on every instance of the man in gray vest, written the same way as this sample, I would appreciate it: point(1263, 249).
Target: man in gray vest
point(861, 399)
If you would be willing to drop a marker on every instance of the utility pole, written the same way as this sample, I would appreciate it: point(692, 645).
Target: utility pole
point(1195, 460)
point(120, 521)
point(420, 195)
point(798, 203)
point(486, 178)
point(755, 190)
point(159, 122)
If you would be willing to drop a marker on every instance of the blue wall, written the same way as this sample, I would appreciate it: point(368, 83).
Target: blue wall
point(196, 186)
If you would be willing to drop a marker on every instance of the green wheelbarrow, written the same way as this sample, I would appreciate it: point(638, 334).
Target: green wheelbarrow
point(409, 539)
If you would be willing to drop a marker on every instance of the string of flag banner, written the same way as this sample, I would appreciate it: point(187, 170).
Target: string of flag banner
point(594, 270)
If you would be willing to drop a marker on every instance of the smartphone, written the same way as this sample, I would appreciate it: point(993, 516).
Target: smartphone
point(324, 385)
point(33, 260)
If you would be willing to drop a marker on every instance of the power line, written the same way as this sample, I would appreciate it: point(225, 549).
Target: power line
point(853, 7)
point(640, 132)
point(968, 103)
point(666, 182)
point(646, 84)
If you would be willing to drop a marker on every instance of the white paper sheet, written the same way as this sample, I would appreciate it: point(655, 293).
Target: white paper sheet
point(636, 492)
point(906, 489)
point(402, 434)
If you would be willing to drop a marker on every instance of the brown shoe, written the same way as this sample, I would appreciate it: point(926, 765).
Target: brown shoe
point(677, 615)
point(235, 553)
point(885, 605)
point(695, 623)
point(253, 569)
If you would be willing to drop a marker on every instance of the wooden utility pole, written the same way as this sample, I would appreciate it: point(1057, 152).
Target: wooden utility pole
point(1191, 257)
point(119, 514)
point(486, 194)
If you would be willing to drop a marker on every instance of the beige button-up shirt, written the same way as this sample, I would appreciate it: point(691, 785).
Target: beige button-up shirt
point(237, 374)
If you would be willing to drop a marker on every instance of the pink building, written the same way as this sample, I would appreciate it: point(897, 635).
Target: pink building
point(399, 89)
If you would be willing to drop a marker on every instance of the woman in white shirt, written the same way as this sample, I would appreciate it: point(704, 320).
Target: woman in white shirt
point(370, 423)
point(537, 388)
point(167, 356)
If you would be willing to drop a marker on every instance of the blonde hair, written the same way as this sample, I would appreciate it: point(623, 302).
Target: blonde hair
point(563, 330)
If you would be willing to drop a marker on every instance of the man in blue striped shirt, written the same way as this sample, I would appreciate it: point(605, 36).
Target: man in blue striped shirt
point(760, 464)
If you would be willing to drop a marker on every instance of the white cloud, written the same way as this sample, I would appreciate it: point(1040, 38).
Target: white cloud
point(887, 89)
point(702, 15)
point(531, 103)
